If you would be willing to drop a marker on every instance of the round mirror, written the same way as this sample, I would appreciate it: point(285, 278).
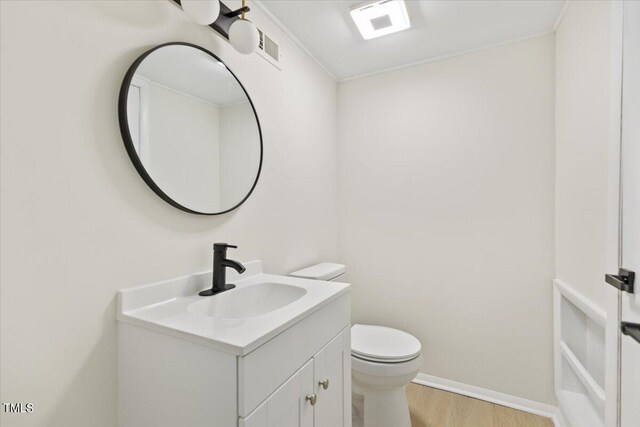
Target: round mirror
point(190, 129)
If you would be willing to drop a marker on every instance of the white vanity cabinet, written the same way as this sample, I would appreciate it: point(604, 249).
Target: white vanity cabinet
point(290, 367)
point(317, 395)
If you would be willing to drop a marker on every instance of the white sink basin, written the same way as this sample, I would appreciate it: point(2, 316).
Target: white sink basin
point(249, 301)
point(236, 321)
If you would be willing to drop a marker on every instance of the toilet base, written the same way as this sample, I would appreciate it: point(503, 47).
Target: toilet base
point(381, 408)
point(378, 391)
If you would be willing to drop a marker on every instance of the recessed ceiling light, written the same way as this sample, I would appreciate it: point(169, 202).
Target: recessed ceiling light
point(380, 17)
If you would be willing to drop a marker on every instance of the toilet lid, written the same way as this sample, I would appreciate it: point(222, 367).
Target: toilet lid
point(382, 344)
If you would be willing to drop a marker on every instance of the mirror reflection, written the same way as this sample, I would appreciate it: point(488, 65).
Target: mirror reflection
point(193, 129)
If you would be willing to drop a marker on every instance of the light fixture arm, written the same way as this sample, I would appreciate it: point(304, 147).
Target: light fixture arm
point(237, 12)
point(226, 18)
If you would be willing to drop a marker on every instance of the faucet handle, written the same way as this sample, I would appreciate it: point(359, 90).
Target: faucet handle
point(222, 247)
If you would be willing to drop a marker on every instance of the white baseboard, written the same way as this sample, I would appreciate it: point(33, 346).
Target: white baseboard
point(498, 398)
point(559, 420)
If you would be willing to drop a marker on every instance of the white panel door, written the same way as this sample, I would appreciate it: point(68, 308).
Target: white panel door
point(332, 373)
point(630, 224)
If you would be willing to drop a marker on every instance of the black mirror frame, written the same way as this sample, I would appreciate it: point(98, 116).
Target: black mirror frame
point(131, 150)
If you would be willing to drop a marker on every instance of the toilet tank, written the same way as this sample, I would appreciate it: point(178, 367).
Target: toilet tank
point(322, 271)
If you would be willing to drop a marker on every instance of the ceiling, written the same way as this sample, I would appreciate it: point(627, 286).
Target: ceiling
point(438, 28)
point(193, 72)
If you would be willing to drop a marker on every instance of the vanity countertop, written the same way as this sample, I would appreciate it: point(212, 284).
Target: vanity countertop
point(174, 307)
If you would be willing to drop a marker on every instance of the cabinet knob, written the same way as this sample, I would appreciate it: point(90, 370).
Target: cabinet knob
point(324, 383)
point(311, 398)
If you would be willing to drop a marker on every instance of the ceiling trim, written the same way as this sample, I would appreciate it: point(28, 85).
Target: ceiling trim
point(289, 34)
point(561, 15)
point(447, 56)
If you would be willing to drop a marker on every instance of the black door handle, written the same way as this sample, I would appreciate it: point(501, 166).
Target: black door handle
point(623, 281)
point(631, 329)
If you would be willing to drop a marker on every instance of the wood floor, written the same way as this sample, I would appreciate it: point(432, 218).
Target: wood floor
point(430, 407)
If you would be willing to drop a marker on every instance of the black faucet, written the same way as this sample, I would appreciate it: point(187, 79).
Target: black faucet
point(220, 264)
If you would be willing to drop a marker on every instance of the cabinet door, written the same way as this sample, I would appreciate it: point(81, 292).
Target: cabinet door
point(332, 379)
point(287, 406)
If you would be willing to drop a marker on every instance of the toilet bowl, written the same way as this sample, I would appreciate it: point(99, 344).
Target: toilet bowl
point(383, 361)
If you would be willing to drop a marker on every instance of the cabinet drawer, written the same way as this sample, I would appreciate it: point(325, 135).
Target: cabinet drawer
point(265, 369)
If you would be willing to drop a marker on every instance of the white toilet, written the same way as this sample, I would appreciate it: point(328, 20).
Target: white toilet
point(383, 362)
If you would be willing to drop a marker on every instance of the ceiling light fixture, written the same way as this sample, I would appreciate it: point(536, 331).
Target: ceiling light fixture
point(380, 17)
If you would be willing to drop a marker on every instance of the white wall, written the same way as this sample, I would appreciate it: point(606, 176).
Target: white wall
point(446, 200)
point(239, 158)
point(78, 223)
point(583, 73)
point(184, 148)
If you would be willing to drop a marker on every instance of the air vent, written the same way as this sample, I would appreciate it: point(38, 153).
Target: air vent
point(269, 49)
point(381, 22)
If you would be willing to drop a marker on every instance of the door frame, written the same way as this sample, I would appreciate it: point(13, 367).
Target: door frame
point(613, 241)
point(614, 213)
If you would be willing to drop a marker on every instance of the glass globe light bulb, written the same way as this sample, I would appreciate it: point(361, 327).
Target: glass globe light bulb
point(203, 12)
point(243, 36)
